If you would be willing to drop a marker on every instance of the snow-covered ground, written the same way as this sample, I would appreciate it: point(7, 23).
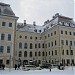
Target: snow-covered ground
point(55, 71)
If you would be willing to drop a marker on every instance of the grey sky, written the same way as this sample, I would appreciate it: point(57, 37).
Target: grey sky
point(40, 10)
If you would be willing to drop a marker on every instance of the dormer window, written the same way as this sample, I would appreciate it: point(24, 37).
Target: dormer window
point(40, 31)
point(63, 23)
point(69, 24)
point(35, 30)
point(44, 29)
point(51, 25)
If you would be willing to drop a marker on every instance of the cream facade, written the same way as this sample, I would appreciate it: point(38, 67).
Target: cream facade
point(54, 42)
point(7, 32)
point(22, 43)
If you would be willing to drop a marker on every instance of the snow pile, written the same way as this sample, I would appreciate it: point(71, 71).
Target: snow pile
point(55, 71)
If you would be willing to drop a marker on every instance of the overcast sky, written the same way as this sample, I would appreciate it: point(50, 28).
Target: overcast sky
point(40, 10)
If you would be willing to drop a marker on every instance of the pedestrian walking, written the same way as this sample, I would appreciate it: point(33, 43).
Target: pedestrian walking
point(3, 66)
point(15, 66)
point(50, 68)
point(18, 66)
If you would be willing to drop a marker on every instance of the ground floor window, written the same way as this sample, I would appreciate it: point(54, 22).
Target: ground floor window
point(68, 61)
point(39, 62)
point(72, 61)
point(1, 61)
point(7, 62)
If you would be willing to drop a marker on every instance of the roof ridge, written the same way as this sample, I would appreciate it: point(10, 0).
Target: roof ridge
point(3, 4)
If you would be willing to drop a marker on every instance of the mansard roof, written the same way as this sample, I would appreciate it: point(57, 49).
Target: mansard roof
point(5, 9)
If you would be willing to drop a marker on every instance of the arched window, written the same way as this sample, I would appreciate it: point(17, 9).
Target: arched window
point(35, 53)
point(25, 54)
point(39, 46)
point(42, 53)
point(31, 45)
point(20, 45)
point(25, 45)
point(39, 53)
point(30, 53)
point(20, 53)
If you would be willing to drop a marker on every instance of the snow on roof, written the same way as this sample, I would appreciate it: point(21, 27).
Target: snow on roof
point(5, 9)
point(57, 20)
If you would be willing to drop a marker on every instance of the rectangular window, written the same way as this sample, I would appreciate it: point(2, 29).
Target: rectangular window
point(3, 24)
point(51, 34)
point(31, 46)
point(25, 45)
point(8, 49)
point(74, 33)
point(43, 45)
point(30, 37)
point(72, 61)
point(39, 46)
point(70, 33)
point(61, 31)
point(71, 52)
point(62, 42)
point(10, 24)
point(35, 53)
point(67, 52)
point(49, 52)
point(9, 37)
point(55, 52)
point(39, 61)
point(7, 62)
point(35, 37)
point(70, 43)
point(68, 61)
point(30, 54)
point(52, 53)
point(52, 43)
point(66, 32)
point(46, 53)
point(35, 45)
point(54, 32)
point(2, 36)
point(20, 54)
point(48, 44)
point(1, 49)
point(66, 42)
point(25, 37)
point(55, 42)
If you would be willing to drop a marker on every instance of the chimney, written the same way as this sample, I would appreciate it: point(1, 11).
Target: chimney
point(24, 22)
point(34, 23)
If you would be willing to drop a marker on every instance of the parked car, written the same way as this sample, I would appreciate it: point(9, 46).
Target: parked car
point(30, 67)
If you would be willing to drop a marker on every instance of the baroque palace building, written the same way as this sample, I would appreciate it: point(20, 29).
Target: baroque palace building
point(53, 42)
point(8, 22)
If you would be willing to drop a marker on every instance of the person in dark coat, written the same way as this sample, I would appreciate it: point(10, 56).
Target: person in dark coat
point(50, 68)
point(15, 66)
point(0, 66)
point(3, 66)
point(18, 66)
